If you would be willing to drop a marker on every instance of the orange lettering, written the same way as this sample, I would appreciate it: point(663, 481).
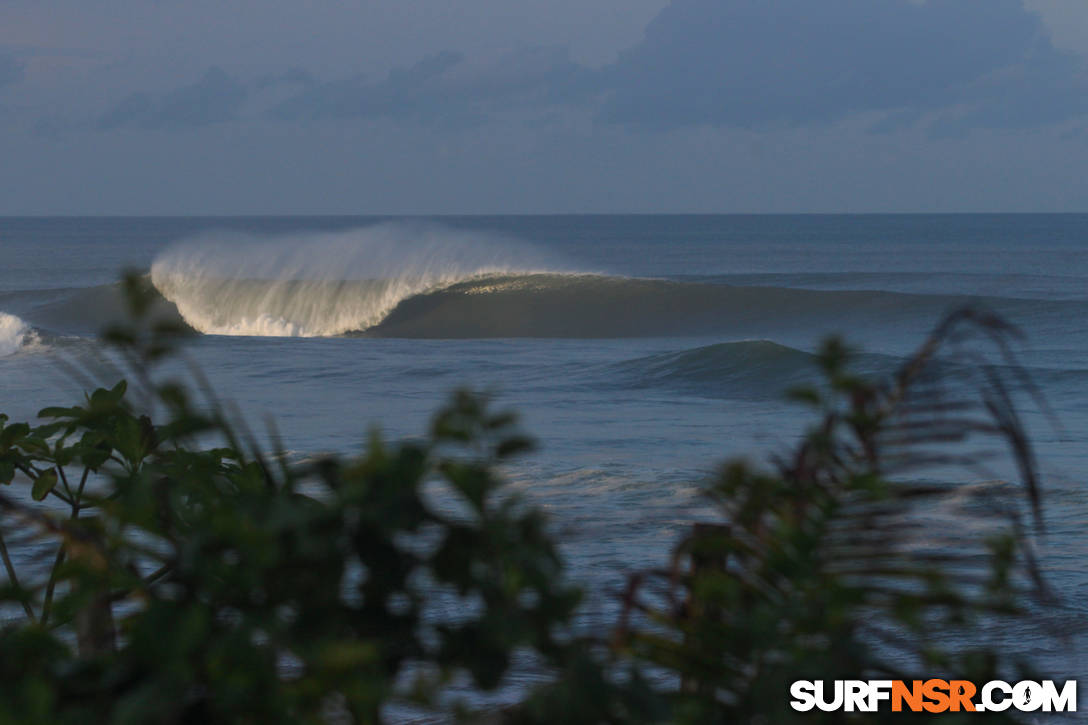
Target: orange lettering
point(961, 692)
point(912, 696)
point(936, 691)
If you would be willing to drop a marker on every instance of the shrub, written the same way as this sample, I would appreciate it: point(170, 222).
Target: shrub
point(204, 581)
point(831, 565)
point(197, 578)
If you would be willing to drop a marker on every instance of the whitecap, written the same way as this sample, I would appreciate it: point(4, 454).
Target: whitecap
point(323, 284)
point(14, 334)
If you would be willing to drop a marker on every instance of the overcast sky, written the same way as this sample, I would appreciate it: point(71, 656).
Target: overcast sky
point(541, 106)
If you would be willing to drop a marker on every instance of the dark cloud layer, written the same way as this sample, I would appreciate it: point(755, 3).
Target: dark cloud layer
point(750, 63)
point(215, 98)
point(446, 87)
point(403, 92)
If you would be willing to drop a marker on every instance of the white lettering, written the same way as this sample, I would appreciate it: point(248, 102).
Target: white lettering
point(996, 705)
point(1065, 701)
point(1027, 696)
point(803, 693)
point(825, 705)
point(855, 696)
point(879, 690)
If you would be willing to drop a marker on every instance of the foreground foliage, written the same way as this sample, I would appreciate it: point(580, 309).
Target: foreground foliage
point(837, 563)
point(193, 577)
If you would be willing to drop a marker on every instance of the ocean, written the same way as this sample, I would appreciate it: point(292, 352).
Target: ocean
point(640, 351)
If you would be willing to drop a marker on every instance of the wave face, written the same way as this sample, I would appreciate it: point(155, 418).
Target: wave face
point(14, 334)
point(594, 306)
point(324, 284)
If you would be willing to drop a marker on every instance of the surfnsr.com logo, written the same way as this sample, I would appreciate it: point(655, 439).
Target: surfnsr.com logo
point(933, 696)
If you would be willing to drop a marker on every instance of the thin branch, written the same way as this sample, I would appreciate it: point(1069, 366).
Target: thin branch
point(11, 573)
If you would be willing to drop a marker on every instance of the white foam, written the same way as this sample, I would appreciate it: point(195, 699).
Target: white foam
point(308, 285)
point(14, 334)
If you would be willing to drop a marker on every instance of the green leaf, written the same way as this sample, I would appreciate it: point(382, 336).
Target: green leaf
point(63, 454)
point(93, 454)
point(7, 472)
point(806, 395)
point(44, 484)
point(134, 438)
point(35, 445)
point(109, 398)
point(513, 445)
point(12, 434)
point(58, 412)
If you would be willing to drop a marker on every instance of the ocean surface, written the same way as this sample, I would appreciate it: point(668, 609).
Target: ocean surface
point(640, 350)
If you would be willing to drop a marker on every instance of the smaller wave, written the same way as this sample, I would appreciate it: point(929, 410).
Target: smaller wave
point(15, 335)
point(765, 370)
point(741, 370)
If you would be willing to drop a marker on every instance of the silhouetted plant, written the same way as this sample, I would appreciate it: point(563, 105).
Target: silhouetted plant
point(196, 578)
point(206, 582)
point(830, 565)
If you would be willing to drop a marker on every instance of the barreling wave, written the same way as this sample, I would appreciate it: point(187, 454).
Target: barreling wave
point(15, 334)
point(486, 304)
point(419, 280)
point(324, 284)
point(428, 281)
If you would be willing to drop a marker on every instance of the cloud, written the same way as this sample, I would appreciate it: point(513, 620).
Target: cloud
point(757, 63)
point(215, 98)
point(441, 88)
point(399, 94)
point(291, 77)
point(11, 70)
point(447, 87)
point(948, 65)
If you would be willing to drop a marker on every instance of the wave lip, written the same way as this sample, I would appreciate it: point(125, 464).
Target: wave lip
point(14, 334)
point(314, 285)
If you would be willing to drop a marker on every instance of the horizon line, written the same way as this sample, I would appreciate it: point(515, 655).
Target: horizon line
point(315, 215)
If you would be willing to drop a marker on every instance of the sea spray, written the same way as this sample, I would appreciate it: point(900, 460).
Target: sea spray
point(14, 333)
point(310, 284)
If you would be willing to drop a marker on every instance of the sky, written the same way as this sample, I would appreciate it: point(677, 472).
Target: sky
point(542, 106)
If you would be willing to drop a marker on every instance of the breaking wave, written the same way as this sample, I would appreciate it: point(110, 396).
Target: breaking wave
point(324, 284)
point(416, 280)
point(487, 304)
point(14, 334)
